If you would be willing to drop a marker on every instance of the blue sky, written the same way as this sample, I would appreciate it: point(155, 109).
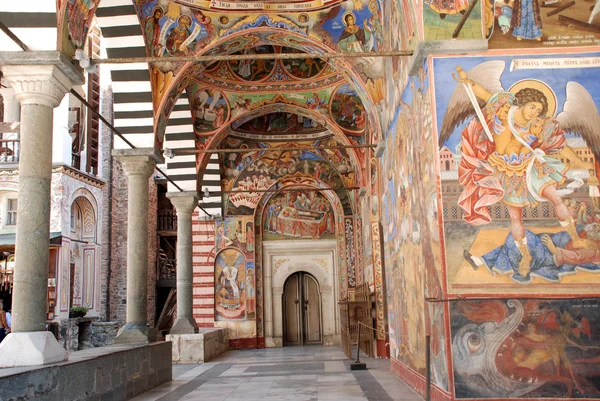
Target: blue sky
point(556, 78)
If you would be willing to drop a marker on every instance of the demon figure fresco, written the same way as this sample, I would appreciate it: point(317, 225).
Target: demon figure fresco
point(525, 348)
point(518, 160)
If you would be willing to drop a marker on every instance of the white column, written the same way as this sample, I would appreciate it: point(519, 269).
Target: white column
point(185, 203)
point(138, 164)
point(40, 81)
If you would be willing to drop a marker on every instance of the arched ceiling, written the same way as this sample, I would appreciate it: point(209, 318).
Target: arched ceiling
point(263, 102)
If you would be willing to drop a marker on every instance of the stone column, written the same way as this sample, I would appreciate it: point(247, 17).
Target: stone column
point(138, 164)
point(185, 203)
point(40, 81)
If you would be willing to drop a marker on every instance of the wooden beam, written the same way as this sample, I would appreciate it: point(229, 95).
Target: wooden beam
point(269, 56)
point(6, 128)
point(579, 24)
point(192, 151)
point(288, 189)
point(463, 20)
point(561, 8)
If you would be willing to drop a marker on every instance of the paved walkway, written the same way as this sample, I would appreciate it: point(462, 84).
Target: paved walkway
point(283, 374)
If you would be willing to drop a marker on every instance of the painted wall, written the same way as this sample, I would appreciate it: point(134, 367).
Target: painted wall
point(411, 238)
point(520, 212)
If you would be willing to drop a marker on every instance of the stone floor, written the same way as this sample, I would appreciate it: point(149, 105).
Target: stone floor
point(281, 374)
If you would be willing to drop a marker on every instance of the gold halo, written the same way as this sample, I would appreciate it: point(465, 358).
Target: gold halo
point(185, 16)
point(162, 10)
point(345, 15)
point(542, 87)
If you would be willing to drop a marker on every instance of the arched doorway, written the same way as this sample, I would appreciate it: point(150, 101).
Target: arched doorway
point(302, 310)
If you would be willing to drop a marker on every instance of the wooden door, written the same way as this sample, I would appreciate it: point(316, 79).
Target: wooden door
point(292, 318)
point(302, 310)
point(312, 310)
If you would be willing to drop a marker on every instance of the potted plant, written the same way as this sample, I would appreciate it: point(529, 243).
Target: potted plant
point(77, 311)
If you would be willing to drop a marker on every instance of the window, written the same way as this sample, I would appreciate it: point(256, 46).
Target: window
point(11, 212)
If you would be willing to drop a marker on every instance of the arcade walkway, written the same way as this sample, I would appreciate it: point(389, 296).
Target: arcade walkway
point(283, 374)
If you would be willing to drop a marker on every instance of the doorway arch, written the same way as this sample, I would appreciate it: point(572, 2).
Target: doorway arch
point(302, 310)
point(285, 258)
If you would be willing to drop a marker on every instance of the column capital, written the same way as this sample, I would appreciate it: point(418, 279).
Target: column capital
point(139, 161)
point(184, 202)
point(40, 78)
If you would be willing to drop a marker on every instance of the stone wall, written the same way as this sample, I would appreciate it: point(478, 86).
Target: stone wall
point(104, 333)
point(118, 259)
point(108, 373)
point(106, 144)
point(69, 334)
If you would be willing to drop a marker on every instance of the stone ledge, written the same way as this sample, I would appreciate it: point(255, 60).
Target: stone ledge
point(118, 372)
point(201, 347)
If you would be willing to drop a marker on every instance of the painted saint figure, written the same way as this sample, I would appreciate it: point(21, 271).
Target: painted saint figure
point(526, 20)
point(153, 30)
point(178, 36)
point(355, 38)
point(230, 286)
point(492, 171)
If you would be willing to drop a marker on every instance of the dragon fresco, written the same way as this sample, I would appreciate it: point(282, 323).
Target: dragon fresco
point(525, 349)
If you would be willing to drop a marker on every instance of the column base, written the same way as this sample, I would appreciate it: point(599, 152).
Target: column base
point(135, 333)
point(31, 348)
point(184, 325)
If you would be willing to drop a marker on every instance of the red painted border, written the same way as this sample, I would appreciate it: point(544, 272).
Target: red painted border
point(417, 381)
point(247, 343)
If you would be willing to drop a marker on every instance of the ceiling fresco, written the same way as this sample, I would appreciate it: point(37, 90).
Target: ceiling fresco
point(74, 18)
point(280, 123)
point(212, 109)
point(190, 27)
point(252, 172)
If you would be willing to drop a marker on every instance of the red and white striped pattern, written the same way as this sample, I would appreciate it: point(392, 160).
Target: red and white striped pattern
point(203, 245)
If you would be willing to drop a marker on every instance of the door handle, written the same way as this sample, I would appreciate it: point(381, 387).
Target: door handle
point(297, 301)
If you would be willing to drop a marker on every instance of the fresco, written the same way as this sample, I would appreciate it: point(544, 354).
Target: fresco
point(230, 285)
point(535, 23)
point(519, 189)
point(261, 234)
point(303, 68)
point(169, 31)
point(453, 19)
point(280, 123)
point(298, 214)
point(236, 232)
point(526, 348)
point(255, 69)
point(74, 18)
point(249, 173)
point(347, 110)
point(409, 192)
point(350, 250)
point(210, 110)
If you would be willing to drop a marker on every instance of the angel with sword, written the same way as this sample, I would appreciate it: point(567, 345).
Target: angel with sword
point(507, 151)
